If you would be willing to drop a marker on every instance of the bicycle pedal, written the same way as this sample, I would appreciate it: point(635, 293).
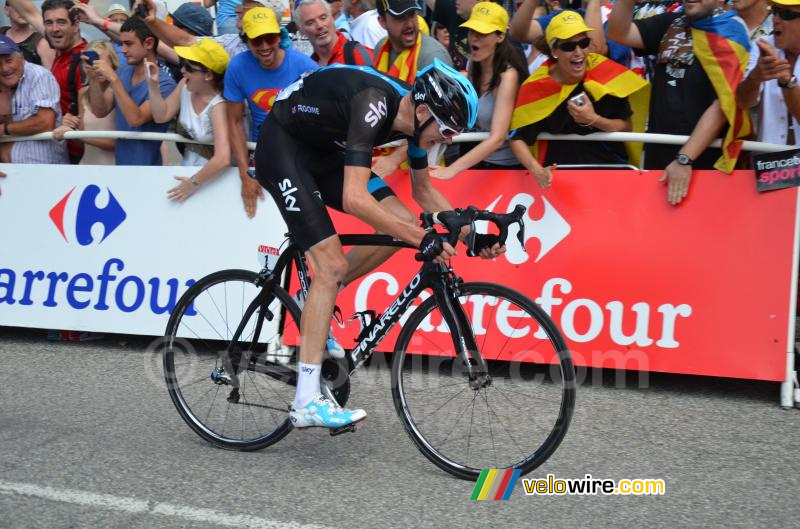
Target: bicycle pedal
point(343, 429)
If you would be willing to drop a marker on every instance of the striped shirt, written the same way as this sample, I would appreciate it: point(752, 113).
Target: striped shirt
point(37, 89)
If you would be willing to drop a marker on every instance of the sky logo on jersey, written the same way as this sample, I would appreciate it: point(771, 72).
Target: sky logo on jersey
point(550, 229)
point(494, 484)
point(88, 214)
point(376, 113)
point(265, 98)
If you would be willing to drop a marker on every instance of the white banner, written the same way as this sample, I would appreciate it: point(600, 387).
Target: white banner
point(100, 248)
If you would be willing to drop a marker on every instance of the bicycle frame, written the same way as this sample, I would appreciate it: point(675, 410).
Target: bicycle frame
point(440, 278)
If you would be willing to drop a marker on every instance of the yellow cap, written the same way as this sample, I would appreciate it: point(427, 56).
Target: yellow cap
point(207, 52)
point(423, 26)
point(565, 25)
point(487, 17)
point(788, 3)
point(259, 21)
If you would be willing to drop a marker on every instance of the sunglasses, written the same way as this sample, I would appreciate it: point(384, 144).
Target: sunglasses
point(269, 38)
point(785, 14)
point(446, 131)
point(570, 46)
point(190, 66)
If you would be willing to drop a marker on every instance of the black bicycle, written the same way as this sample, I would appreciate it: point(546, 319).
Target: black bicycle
point(469, 398)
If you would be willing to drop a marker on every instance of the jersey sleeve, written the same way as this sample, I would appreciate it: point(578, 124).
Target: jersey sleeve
point(417, 156)
point(369, 114)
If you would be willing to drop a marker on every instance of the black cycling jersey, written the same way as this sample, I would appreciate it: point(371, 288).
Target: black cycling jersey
point(324, 121)
point(346, 108)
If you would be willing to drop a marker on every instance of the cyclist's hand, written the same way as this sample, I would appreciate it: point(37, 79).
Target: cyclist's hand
point(434, 247)
point(488, 246)
point(251, 192)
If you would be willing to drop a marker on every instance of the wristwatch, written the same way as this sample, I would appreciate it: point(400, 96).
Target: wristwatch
point(791, 83)
point(682, 159)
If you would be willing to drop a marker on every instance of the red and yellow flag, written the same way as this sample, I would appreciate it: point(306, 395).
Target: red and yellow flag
point(722, 46)
point(540, 94)
point(404, 66)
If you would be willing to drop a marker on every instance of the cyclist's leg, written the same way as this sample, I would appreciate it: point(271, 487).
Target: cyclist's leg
point(282, 170)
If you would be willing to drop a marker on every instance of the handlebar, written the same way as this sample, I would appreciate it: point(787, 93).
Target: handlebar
point(454, 220)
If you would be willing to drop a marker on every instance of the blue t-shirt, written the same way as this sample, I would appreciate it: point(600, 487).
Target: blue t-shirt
point(226, 9)
point(246, 79)
point(140, 152)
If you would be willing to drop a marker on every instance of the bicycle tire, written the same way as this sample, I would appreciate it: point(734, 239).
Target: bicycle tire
point(416, 376)
point(259, 406)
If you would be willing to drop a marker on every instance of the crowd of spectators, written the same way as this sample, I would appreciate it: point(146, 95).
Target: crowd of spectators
point(556, 66)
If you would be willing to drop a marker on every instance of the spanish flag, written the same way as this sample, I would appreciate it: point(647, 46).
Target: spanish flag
point(404, 66)
point(540, 94)
point(722, 46)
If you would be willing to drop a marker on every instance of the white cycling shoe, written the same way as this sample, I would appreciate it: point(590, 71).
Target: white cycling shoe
point(325, 413)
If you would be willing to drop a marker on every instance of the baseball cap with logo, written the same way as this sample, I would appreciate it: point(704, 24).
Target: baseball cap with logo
point(259, 21)
point(565, 25)
point(788, 3)
point(7, 46)
point(487, 17)
point(207, 52)
point(397, 8)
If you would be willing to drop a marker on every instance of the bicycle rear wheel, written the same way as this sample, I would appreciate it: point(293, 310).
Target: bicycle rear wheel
point(233, 393)
point(518, 418)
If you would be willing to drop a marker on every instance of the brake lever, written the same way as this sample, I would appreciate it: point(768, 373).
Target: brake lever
point(518, 212)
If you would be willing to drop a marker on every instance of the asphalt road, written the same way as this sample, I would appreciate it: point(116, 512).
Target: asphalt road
point(90, 439)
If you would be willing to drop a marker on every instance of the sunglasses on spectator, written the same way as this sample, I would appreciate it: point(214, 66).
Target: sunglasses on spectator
point(190, 66)
point(570, 46)
point(785, 14)
point(269, 38)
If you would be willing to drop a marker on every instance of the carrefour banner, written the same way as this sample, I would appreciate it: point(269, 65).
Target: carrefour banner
point(102, 249)
point(632, 282)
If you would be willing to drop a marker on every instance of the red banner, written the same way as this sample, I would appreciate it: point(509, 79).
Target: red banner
point(632, 282)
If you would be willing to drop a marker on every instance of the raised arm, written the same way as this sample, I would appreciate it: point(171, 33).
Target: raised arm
point(29, 12)
point(167, 33)
point(621, 28)
point(594, 20)
point(101, 100)
point(163, 110)
point(135, 115)
point(523, 27)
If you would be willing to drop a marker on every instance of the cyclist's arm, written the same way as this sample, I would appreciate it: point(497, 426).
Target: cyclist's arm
point(358, 202)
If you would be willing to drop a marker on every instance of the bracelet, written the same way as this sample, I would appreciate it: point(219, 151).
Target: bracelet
point(587, 125)
point(105, 24)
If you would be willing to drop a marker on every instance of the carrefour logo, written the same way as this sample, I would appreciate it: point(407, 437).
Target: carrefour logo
point(550, 229)
point(87, 215)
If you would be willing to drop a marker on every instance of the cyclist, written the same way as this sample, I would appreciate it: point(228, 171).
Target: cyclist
point(315, 149)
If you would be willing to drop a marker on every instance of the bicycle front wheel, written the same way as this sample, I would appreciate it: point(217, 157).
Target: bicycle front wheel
point(233, 389)
point(516, 416)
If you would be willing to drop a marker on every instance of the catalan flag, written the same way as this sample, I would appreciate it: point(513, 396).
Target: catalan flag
point(404, 66)
point(540, 94)
point(722, 46)
point(494, 484)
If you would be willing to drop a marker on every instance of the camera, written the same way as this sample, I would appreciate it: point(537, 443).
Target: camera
point(140, 11)
point(91, 56)
point(578, 99)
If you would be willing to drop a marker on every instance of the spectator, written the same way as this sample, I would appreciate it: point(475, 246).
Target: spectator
point(496, 71)
point(685, 101)
point(128, 94)
point(756, 14)
point(117, 13)
point(452, 14)
point(59, 23)
point(35, 108)
point(193, 18)
point(233, 44)
point(441, 33)
point(340, 17)
point(256, 77)
point(34, 46)
point(98, 151)
point(402, 54)
point(771, 82)
point(226, 15)
point(200, 108)
point(575, 92)
point(364, 25)
point(315, 22)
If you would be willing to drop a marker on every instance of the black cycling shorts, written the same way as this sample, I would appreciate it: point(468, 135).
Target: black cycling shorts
point(302, 181)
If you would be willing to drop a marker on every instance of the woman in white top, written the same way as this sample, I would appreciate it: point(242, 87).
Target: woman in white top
point(96, 151)
point(496, 70)
point(200, 108)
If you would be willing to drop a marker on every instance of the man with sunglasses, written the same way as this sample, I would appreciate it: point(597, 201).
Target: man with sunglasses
point(255, 78)
point(771, 82)
point(315, 150)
